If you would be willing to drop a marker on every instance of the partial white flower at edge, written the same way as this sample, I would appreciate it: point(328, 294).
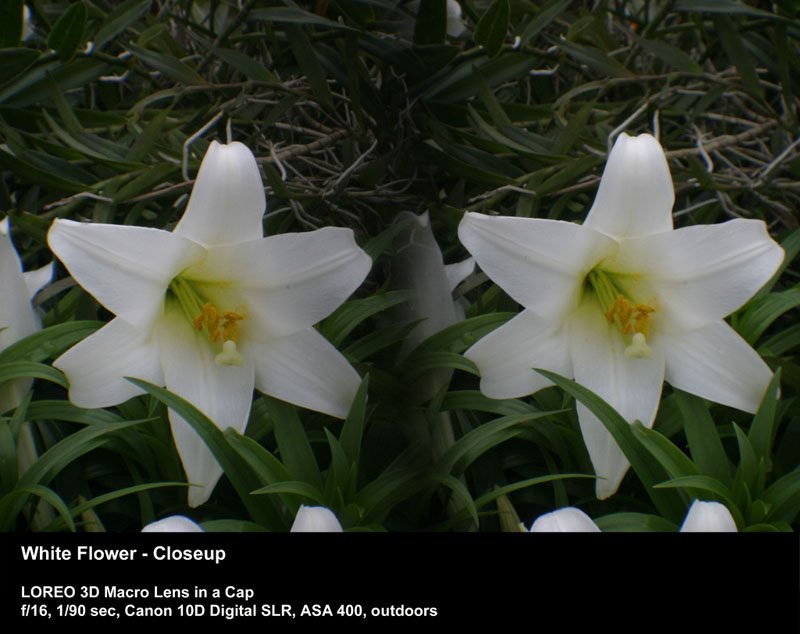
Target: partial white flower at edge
point(212, 309)
point(703, 517)
point(708, 517)
point(455, 25)
point(623, 302)
point(173, 524)
point(315, 519)
point(18, 319)
point(27, 25)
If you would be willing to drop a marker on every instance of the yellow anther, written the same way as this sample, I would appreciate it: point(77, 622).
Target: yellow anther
point(642, 319)
point(230, 326)
point(208, 316)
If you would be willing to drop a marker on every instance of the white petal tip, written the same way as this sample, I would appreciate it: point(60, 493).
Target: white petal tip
point(708, 517)
point(173, 524)
point(565, 520)
point(315, 519)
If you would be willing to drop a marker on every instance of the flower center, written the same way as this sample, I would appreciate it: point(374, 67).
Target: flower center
point(221, 329)
point(630, 318)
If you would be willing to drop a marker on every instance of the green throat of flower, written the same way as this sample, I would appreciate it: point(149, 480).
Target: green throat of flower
point(220, 328)
point(631, 319)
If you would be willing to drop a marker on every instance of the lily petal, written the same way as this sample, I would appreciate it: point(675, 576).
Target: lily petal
point(17, 317)
point(459, 271)
point(565, 520)
point(714, 362)
point(306, 370)
point(173, 524)
point(635, 196)
point(223, 393)
point(708, 517)
point(702, 273)
point(227, 200)
point(540, 263)
point(315, 519)
point(506, 356)
point(630, 386)
point(127, 269)
point(288, 282)
point(418, 267)
point(38, 279)
point(96, 366)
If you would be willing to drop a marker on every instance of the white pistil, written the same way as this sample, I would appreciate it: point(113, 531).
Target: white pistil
point(639, 348)
point(229, 355)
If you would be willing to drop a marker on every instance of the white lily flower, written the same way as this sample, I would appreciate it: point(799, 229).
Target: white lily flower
point(708, 517)
point(173, 524)
point(623, 302)
point(315, 519)
point(18, 319)
point(212, 309)
point(565, 520)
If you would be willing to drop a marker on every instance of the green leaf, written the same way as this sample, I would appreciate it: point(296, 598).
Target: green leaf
point(171, 67)
point(670, 505)
point(463, 497)
point(113, 495)
point(14, 61)
point(491, 30)
point(52, 498)
point(737, 52)
point(720, 6)
point(549, 12)
point(303, 489)
point(783, 497)
point(761, 313)
point(66, 411)
point(66, 36)
point(50, 342)
point(238, 472)
point(295, 15)
point(51, 462)
point(702, 435)
point(762, 431)
point(307, 59)
point(120, 19)
point(593, 57)
point(345, 318)
point(712, 486)
point(29, 173)
point(268, 468)
point(667, 53)
point(635, 523)
point(353, 429)
point(22, 369)
point(476, 442)
point(430, 26)
point(674, 461)
point(750, 473)
point(244, 64)
point(10, 24)
point(293, 445)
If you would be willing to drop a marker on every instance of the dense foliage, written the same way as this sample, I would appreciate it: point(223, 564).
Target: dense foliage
point(357, 111)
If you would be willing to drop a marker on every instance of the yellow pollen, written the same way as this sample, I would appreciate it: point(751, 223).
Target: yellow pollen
point(622, 311)
point(209, 318)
